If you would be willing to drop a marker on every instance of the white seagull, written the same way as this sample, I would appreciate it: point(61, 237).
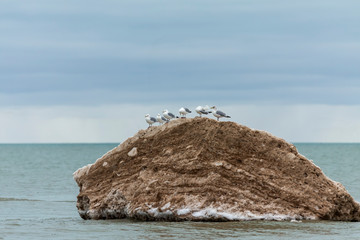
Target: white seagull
point(201, 110)
point(207, 108)
point(161, 119)
point(218, 114)
point(183, 111)
point(168, 115)
point(150, 120)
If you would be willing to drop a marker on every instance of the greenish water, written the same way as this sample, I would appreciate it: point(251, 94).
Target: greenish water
point(38, 199)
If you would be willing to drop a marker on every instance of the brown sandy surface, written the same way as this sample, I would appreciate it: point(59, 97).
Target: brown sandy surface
point(204, 170)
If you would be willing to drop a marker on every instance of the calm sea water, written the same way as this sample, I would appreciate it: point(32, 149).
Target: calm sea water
point(38, 199)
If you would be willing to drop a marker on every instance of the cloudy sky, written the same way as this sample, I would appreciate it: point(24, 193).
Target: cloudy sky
point(88, 71)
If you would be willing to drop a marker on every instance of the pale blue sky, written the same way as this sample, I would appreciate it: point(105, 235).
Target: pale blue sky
point(244, 54)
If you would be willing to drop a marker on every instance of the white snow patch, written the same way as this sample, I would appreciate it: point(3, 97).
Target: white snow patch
point(157, 214)
point(133, 152)
point(214, 213)
point(183, 211)
point(80, 172)
point(165, 206)
point(199, 214)
point(153, 211)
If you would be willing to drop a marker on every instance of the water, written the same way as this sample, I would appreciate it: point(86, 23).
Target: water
point(38, 199)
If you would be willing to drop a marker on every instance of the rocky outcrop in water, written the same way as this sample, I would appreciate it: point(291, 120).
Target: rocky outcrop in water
point(204, 170)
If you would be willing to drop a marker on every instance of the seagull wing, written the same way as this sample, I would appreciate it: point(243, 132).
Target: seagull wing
point(171, 115)
point(187, 110)
point(153, 119)
point(218, 112)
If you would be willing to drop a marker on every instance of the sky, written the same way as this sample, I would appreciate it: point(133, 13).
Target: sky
point(88, 71)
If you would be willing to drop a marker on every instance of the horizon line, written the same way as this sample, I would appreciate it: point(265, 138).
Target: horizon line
point(19, 143)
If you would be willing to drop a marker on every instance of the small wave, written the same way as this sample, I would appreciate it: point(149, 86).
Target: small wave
point(33, 200)
point(18, 199)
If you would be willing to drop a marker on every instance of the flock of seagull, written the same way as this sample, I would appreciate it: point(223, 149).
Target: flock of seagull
point(167, 116)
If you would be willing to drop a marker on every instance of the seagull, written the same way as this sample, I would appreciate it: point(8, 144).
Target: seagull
point(168, 115)
point(201, 110)
point(218, 114)
point(160, 119)
point(183, 111)
point(207, 108)
point(150, 120)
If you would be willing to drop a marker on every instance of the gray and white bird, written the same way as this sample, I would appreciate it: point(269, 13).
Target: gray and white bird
point(183, 111)
point(208, 109)
point(160, 119)
point(201, 110)
point(168, 115)
point(218, 114)
point(150, 120)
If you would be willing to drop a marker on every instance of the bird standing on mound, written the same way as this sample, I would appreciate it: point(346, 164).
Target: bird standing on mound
point(168, 115)
point(150, 120)
point(218, 114)
point(201, 110)
point(161, 119)
point(183, 111)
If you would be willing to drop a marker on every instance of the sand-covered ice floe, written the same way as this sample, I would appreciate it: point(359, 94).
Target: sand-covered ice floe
point(204, 170)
